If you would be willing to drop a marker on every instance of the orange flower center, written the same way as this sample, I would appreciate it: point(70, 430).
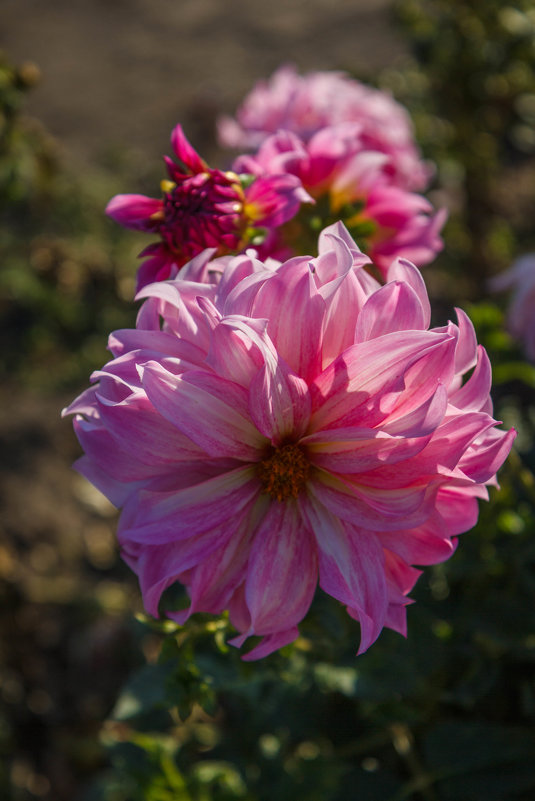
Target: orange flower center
point(285, 472)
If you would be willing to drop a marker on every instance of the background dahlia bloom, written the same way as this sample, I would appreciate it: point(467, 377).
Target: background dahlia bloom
point(354, 185)
point(304, 104)
point(521, 312)
point(280, 428)
point(203, 208)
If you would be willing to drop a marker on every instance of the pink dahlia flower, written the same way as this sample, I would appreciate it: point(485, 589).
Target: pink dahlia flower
point(203, 208)
point(278, 428)
point(354, 185)
point(304, 104)
point(521, 313)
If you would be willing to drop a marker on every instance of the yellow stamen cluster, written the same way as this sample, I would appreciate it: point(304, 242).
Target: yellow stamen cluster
point(285, 473)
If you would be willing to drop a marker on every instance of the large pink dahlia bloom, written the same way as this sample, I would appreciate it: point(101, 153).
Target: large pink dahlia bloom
point(353, 185)
point(203, 208)
point(304, 104)
point(264, 430)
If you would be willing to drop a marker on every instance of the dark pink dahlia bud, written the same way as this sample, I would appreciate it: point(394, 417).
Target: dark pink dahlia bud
point(204, 208)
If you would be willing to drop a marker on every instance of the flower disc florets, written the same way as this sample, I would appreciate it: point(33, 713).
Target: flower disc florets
point(265, 430)
point(283, 474)
point(205, 210)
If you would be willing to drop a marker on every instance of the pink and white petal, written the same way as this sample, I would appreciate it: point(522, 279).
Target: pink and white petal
point(396, 617)
point(84, 404)
point(473, 396)
point(352, 568)
point(364, 384)
point(156, 518)
point(339, 231)
point(282, 573)
point(142, 431)
point(404, 270)
point(400, 576)
point(240, 269)
point(109, 456)
point(356, 450)
point(279, 402)
point(126, 340)
point(159, 566)
point(115, 491)
point(139, 212)
point(234, 354)
point(210, 410)
point(394, 307)
point(374, 508)
point(270, 643)
point(291, 294)
point(483, 459)
point(422, 420)
point(202, 269)
point(466, 351)
point(422, 545)
point(215, 581)
point(457, 510)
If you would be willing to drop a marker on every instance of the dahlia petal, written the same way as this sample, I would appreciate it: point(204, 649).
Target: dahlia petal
point(466, 351)
point(210, 410)
point(159, 566)
point(126, 340)
point(420, 545)
point(107, 454)
point(140, 430)
point(374, 508)
point(339, 231)
point(233, 354)
point(291, 294)
point(404, 270)
point(275, 199)
point(84, 404)
point(422, 420)
point(216, 579)
point(474, 395)
point(279, 402)
point(354, 388)
point(394, 307)
point(396, 618)
point(156, 518)
point(135, 211)
point(185, 152)
point(356, 450)
point(481, 462)
point(115, 491)
point(351, 566)
point(282, 571)
point(270, 643)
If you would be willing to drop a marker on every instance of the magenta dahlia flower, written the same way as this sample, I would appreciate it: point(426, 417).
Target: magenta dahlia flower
point(353, 185)
point(203, 208)
point(266, 430)
point(520, 278)
point(304, 104)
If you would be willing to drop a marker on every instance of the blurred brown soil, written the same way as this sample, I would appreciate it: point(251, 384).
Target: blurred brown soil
point(112, 73)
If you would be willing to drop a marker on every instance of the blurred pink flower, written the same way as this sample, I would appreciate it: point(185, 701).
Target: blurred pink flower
point(203, 208)
point(521, 313)
point(353, 185)
point(304, 104)
point(264, 430)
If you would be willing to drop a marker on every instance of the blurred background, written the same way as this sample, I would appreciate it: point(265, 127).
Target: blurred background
point(89, 93)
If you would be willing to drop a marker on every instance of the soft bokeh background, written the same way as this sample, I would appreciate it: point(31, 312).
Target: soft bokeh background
point(89, 92)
